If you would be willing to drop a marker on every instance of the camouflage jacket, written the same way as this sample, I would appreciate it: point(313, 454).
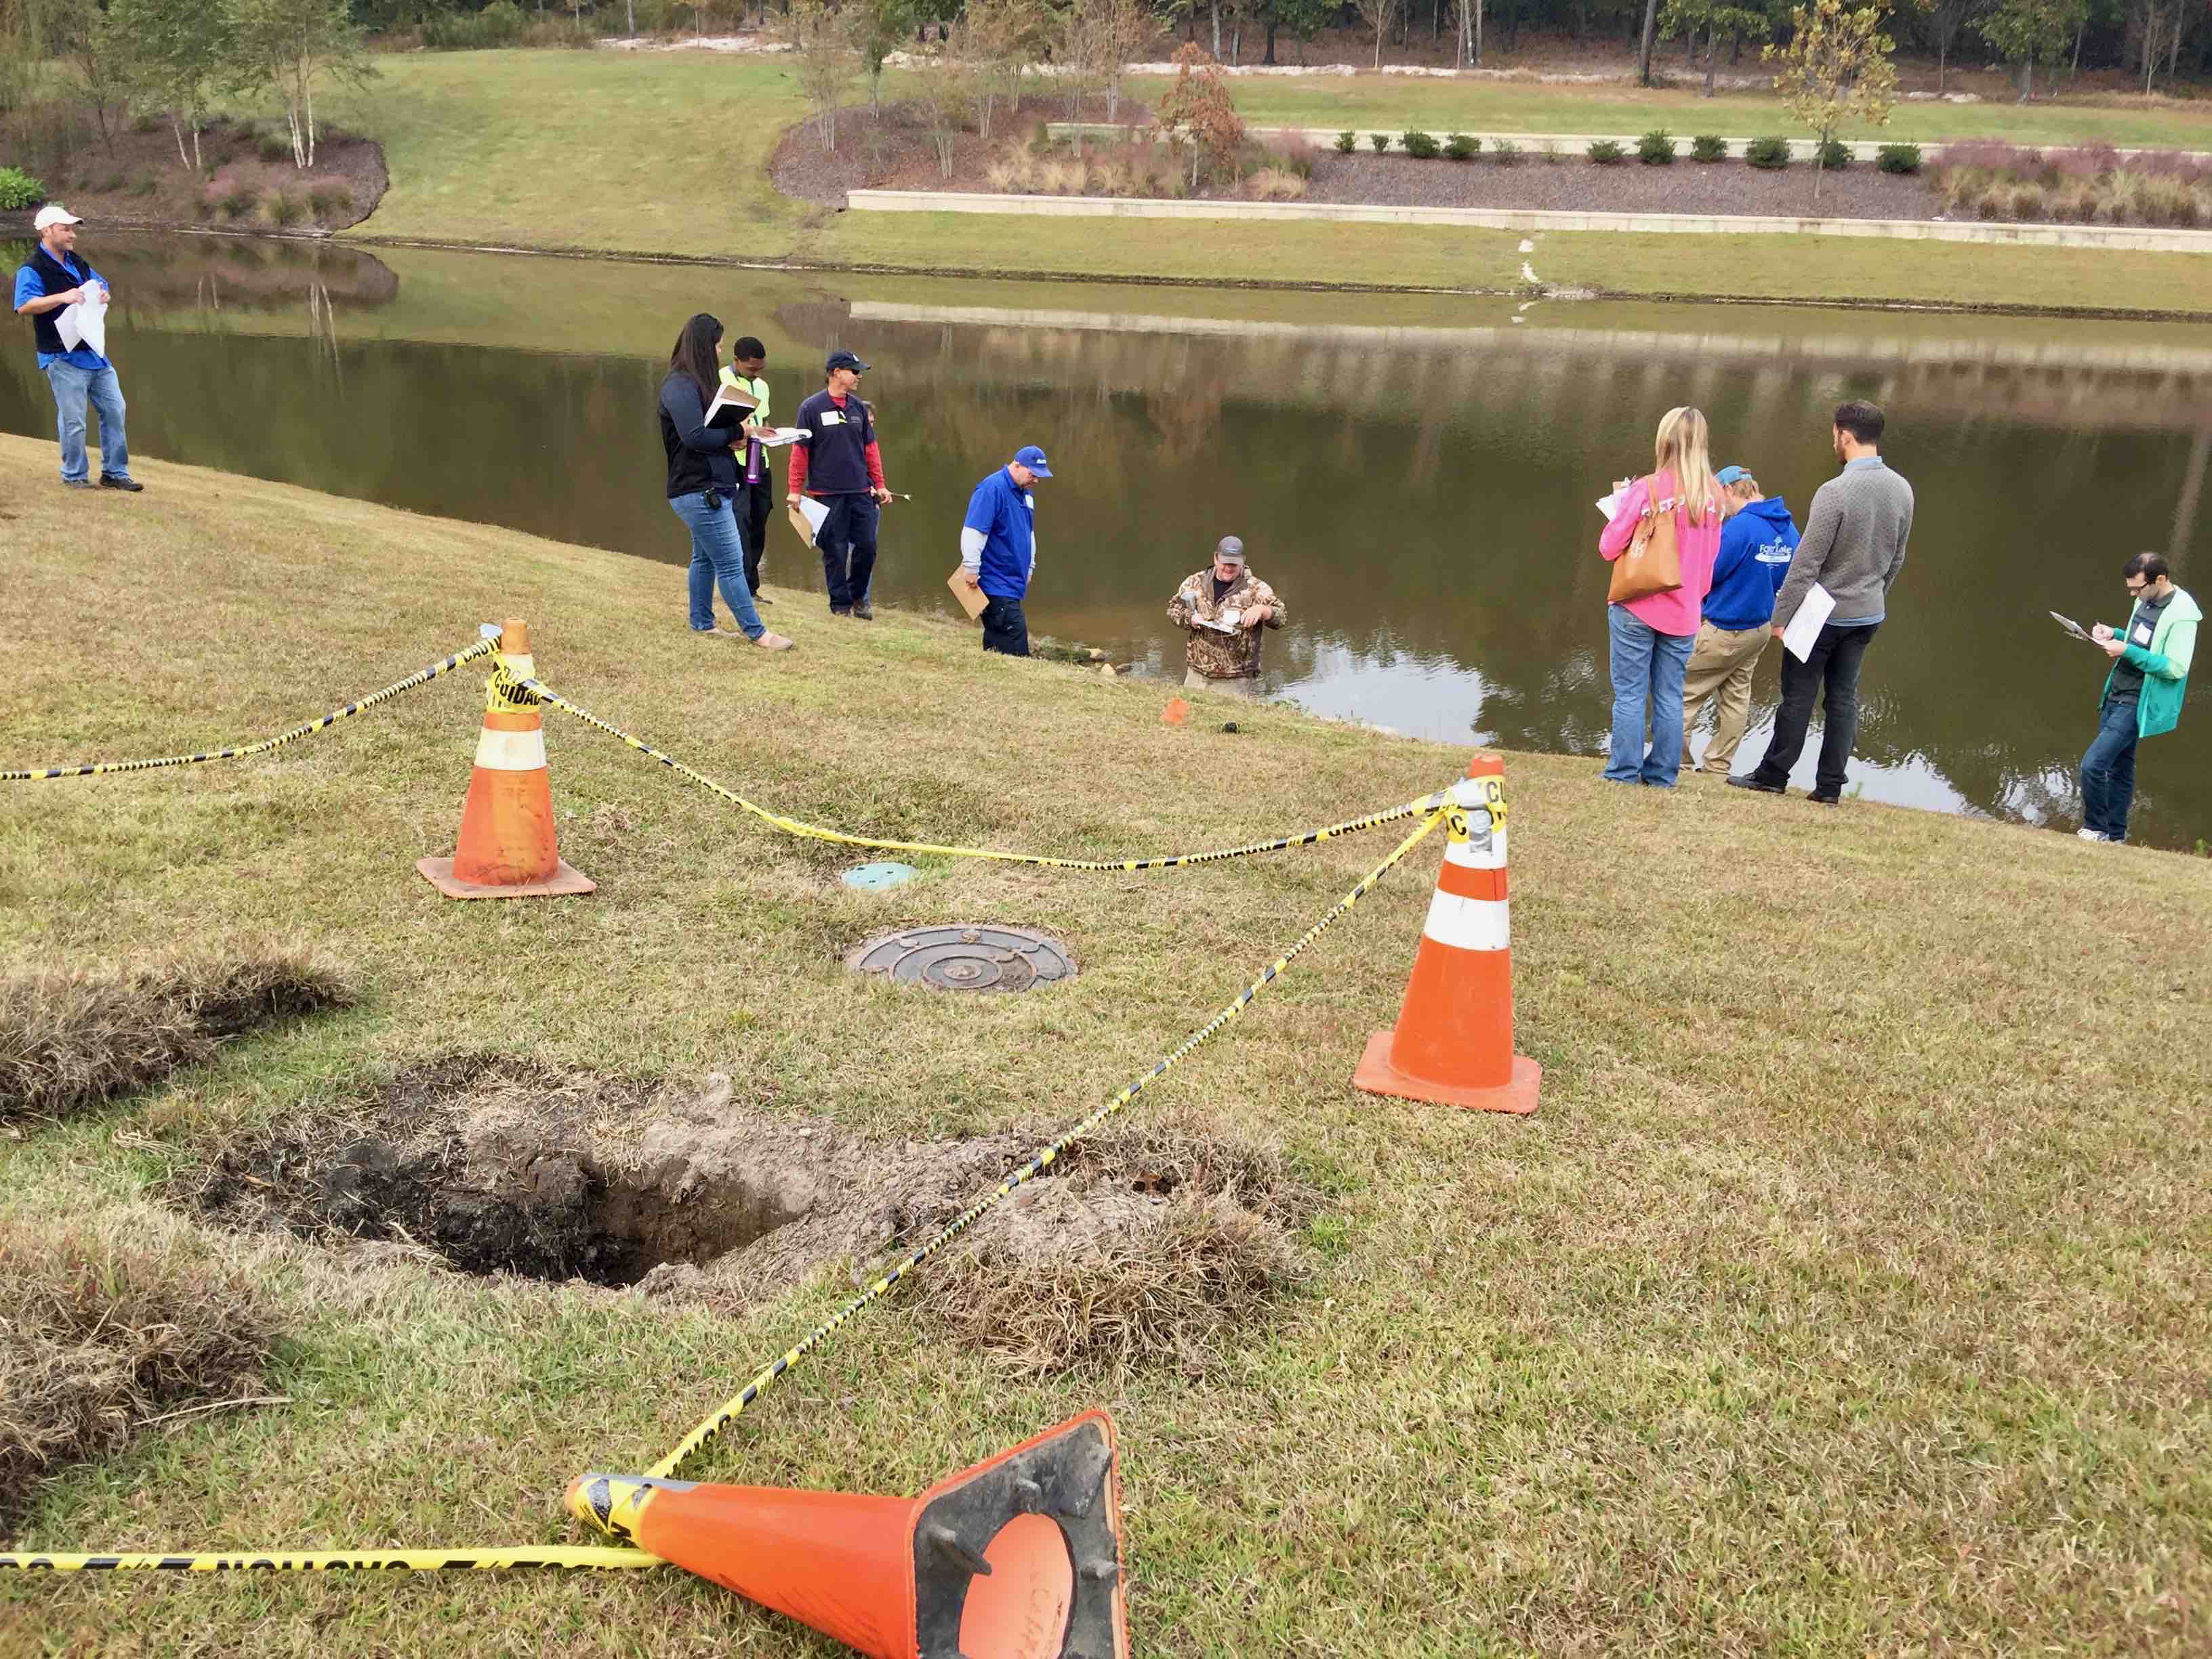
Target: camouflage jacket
point(1216, 655)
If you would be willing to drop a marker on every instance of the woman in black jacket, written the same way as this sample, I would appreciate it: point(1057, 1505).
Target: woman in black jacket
point(702, 484)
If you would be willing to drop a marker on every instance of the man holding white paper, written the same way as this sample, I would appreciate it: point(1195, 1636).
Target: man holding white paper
point(66, 301)
point(1852, 550)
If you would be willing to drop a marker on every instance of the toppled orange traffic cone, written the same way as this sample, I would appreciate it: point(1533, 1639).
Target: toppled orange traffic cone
point(1453, 1043)
point(1018, 1558)
point(506, 849)
point(1176, 712)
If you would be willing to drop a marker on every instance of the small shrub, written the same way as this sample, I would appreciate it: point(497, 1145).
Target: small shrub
point(273, 146)
point(235, 200)
point(283, 208)
point(146, 184)
point(1655, 149)
point(1834, 155)
point(2168, 200)
point(1291, 153)
point(1379, 141)
point(1550, 154)
point(1275, 184)
point(18, 190)
point(1347, 142)
point(1709, 147)
point(1505, 152)
point(2022, 199)
point(2075, 201)
point(1462, 146)
point(112, 184)
point(500, 24)
point(1041, 140)
point(331, 199)
point(1770, 155)
point(1897, 158)
point(1606, 152)
point(1421, 146)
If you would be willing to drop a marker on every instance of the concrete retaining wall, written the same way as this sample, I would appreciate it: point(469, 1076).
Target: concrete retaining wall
point(2138, 237)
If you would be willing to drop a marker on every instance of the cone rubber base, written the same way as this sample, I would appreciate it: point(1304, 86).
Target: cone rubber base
point(439, 873)
point(1378, 1076)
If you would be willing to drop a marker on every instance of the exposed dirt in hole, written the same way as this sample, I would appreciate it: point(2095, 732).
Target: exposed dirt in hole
point(1141, 1240)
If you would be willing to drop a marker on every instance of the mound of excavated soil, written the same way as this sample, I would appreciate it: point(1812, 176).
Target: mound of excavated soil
point(500, 1166)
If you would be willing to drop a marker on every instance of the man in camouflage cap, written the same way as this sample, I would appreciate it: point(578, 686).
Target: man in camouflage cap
point(1224, 606)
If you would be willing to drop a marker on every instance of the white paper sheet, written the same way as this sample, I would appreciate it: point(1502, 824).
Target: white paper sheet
point(1610, 504)
point(86, 322)
point(777, 437)
point(816, 512)
point(1805, 627)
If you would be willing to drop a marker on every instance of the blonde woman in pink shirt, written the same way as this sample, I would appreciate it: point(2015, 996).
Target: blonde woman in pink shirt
point(1652, 636)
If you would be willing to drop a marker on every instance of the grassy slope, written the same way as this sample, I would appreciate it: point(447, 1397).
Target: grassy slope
point(1395, 102)
point(1847, 1294)
point(600, 150)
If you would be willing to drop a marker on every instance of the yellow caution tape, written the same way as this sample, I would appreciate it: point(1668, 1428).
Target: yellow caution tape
point(477, 1560)
point(816, 832)
point(482, 647)
point(710, 1428)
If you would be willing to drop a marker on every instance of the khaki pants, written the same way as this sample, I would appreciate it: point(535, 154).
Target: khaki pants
point(1247, 687)
point(1721, 666)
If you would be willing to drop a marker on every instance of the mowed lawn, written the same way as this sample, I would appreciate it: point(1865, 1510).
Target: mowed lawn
point(1846, 1295)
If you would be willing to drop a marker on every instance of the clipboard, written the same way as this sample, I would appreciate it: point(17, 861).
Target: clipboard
point(807, 517)
point(972, 599)
point(2073, 627)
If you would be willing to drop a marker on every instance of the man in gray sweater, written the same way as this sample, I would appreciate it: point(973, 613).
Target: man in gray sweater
point(1854, 546)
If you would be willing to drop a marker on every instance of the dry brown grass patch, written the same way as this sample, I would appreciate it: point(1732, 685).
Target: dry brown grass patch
point(71, 1040)
point(97, 1335)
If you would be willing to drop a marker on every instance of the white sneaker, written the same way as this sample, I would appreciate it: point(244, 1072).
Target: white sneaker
point(2091, 835)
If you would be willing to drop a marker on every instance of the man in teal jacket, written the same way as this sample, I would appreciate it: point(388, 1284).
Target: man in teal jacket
point(2142, 693)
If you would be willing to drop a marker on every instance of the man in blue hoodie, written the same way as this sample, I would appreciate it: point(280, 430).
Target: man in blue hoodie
point(1756, 545)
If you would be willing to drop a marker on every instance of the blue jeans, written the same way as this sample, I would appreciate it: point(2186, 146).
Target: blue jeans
point(71, 386)
point(1647, 677)
point(2108, 771)
point(718, 554)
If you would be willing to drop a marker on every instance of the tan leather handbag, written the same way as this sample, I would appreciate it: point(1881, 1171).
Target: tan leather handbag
point(1653, 563)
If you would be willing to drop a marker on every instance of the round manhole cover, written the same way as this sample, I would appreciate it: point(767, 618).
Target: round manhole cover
point(971, 958)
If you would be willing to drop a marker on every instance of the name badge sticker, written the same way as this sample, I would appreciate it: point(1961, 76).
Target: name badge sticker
point(2143, 632)
point(831, 417)
point(1030, 502)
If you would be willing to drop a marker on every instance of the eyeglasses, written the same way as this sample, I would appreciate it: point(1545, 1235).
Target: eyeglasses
point(2137, 584)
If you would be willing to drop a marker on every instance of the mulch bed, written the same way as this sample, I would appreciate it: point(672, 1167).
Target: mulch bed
point(892, 151)
point(1576, 184)
point(139, 181)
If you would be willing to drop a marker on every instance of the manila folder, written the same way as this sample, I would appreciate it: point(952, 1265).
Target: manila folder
point(972, 599)
point(807, 517)
point(1804, 630)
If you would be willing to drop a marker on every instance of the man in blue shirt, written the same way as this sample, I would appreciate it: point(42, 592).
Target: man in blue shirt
point(998, 548)
point(1757, 543)
point(53, 279)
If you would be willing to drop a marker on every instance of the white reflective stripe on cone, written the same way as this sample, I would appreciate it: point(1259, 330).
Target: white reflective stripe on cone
point(511, 752)
point(1473, 856)
point(1467, 924)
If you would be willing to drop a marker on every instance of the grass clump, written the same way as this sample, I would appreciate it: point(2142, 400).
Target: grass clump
point(1346, 142)
point(1709, 147)
point(1607, 152)
point(70, 1041)
point(1505, 152)
point(1656, 148)
point(99, 1334)
point(1274, 185)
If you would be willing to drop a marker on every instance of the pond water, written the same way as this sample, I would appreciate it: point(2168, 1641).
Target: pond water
point(1415, 476)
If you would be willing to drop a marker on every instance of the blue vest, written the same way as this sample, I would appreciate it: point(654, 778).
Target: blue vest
point(45, 326)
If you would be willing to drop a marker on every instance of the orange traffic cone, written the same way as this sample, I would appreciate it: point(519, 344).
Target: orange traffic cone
point(1018, 1558)
point(1453, 1043)
point(506, 849)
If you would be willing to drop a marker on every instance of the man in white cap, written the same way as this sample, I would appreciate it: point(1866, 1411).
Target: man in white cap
point(50, 281)
point(1224, 606)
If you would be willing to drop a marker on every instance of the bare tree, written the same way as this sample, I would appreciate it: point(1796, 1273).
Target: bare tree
point(822, 59)
point(1378, 14)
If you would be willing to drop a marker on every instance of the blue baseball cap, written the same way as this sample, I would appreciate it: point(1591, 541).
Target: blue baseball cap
point(845, 359)
point(1729, 475)
point(1030, 456)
